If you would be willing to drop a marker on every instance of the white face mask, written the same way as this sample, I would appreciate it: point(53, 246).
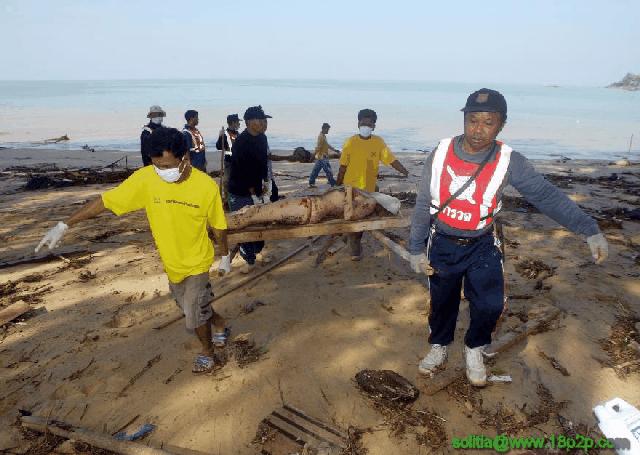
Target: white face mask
point(170, 175)
point(157, 120)
point(365, 131)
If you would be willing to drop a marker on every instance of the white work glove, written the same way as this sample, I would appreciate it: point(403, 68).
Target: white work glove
point(599, 247)
point(256, 200)
point(53, 236)
point(224, 266)
point(420, 264)
point(266, 196)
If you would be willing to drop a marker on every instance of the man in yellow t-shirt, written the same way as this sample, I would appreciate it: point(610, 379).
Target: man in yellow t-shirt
point(180, 202)
point(361, 155)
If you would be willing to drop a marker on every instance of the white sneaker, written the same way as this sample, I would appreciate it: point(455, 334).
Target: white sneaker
point(434, 359)
point(247, 268)
point(476, 372)
point(263, 258)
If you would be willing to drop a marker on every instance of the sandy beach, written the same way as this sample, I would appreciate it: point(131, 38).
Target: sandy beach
point(88, 353)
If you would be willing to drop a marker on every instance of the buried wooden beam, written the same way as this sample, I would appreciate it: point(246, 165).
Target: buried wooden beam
point(249, 279)
point(277, 232)
point(534, 325)
point(13, 311)
point(62, 254)
point(99, 440)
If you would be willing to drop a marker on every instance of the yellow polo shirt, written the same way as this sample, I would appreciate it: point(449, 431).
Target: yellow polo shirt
point(178, 215)
point(362, 157)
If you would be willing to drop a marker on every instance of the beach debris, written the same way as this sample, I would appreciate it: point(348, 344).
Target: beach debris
point(554, 363)
point(392, 395)
point(623, 162)
point(86, 275)
point(57, 179)
point(13, 311)
point(387, 387)
point(90, 149)
point(78, 373)
point(143, 431)
point(251, 306)
point(138, 375)
point(619, 345)
point(288, 430)
point(55, 140)
point(506, 378)
point(245, 350)
point(620, 420)
point(533, 268)
point(83, 435)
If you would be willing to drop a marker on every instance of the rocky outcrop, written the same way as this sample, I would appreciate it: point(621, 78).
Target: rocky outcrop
point(629, 82)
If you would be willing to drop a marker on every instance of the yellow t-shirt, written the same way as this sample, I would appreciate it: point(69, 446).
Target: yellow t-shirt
point(362, 157)
point(178, 214)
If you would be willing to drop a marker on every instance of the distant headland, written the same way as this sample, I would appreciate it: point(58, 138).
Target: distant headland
point(629, 82)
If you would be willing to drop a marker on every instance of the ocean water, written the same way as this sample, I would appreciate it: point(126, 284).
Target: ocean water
point(544, 122)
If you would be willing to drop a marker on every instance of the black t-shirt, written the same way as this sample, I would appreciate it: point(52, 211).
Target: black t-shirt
point(248, 164)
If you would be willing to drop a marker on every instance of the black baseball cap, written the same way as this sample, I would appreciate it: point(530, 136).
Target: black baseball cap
point(233, 118)
point(255, 112)
point(486, 100)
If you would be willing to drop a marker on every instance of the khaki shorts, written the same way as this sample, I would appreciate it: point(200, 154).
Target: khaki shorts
point(194, 295)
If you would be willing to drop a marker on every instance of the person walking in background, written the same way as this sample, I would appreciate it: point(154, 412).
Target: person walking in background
point(156, 115)
point(361, 155)
point(226, 139)
point(249, 182)
point(322, 158)
point(195, 141)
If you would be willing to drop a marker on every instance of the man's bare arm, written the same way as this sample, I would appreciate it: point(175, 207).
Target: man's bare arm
point(341, 172)
point(90, 210)
point(400, 168)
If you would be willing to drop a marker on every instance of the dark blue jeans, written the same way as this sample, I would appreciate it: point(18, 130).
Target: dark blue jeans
point(248, 250)
point(479, 266)
point(326, 167)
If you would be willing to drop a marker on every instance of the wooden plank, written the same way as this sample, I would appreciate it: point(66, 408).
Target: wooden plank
point(398, 249)
point(99, 440)
point(502, 343)
point(257, 233)
point(57, 255)
point(13, 311)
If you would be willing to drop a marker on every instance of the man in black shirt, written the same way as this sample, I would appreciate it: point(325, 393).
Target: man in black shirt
point(225, 142)
point(155, 116)
point(249, 180)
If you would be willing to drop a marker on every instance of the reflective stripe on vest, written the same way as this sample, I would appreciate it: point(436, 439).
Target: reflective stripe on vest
point(476, 206)
point(226, 135)
point(196, 140)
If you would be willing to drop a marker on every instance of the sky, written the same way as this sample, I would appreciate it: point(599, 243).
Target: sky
point(582, 43)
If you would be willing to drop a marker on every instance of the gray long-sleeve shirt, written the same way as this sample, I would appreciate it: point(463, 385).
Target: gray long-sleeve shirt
point(522, 176)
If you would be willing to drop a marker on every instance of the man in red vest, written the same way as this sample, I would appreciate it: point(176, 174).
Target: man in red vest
point(458, 198)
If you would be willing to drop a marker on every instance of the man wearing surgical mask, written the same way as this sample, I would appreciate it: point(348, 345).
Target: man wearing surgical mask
point(181, 204)
point(156, 115)
point(361, 155)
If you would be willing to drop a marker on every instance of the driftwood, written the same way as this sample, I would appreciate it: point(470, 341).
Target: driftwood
point(92, 438)
point(13, 311)
point(504, 342)
point(247, 280)
point(61, 254)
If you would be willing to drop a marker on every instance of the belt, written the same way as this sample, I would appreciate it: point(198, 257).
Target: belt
point(462, 240)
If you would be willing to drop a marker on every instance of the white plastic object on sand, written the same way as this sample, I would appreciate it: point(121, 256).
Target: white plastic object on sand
point(619, 419)
point(503, 378)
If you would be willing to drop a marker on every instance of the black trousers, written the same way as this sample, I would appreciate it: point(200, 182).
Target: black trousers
point(479, 267)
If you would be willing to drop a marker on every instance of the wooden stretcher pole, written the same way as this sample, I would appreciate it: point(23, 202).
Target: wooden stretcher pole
point(396, 248)
point(223, 190)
